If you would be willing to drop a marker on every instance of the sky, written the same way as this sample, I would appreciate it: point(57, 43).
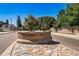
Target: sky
point(12, 10)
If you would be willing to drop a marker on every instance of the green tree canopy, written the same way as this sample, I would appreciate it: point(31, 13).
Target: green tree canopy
point(1, 23)
point(41, 23)
point(19, 23)
point(30, 23)
point(68, 17)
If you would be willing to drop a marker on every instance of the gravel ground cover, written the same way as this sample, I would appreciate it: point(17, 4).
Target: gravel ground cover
point(42, 50)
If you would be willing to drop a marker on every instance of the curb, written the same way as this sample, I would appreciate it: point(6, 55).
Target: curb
point(6, 33)
point(3, 33)
point(8, 50)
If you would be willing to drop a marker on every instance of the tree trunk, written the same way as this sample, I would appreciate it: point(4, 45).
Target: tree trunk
point(72, 29)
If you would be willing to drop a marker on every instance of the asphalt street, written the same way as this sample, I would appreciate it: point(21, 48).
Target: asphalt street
point(6, 40)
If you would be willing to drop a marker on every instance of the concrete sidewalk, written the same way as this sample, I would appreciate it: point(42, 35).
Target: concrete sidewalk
point(70, 36)
point(3, 33)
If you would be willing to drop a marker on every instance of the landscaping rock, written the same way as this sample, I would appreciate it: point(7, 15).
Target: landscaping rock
point(42, 50)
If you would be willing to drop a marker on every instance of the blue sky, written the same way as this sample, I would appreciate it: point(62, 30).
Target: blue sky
point(11, 10)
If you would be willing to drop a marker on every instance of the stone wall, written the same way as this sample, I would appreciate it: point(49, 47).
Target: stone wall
point(37, 36)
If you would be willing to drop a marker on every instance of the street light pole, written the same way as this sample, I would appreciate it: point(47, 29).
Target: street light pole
point(11, 23)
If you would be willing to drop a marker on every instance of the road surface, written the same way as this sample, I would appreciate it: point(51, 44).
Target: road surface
point(72, 43)
point(6, 40)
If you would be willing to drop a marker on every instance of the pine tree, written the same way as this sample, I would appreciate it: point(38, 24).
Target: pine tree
point(7, 22)
point(19, 23)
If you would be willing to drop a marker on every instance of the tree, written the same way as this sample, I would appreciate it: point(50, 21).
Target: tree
point(7, 22)
point(46, 22)
point(72, 13)
point(68, 17)
point(30, 23)
point(40, 23)
point(61, 18)
point(25, 24)
point(1, 23)
point(19, 23)
point(51, 21)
